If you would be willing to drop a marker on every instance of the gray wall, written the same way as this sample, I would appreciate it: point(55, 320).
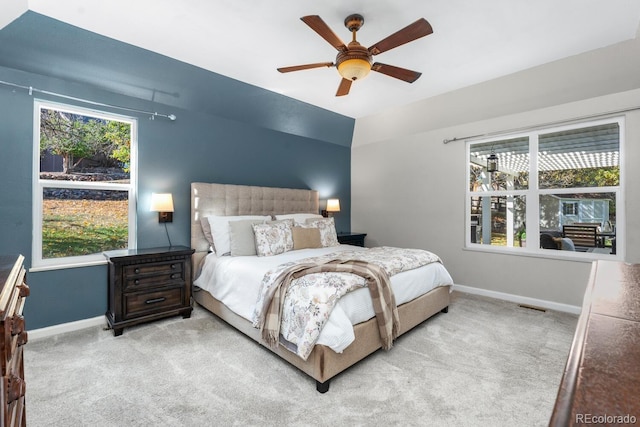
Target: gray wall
point(408, 188)
point(226, 132)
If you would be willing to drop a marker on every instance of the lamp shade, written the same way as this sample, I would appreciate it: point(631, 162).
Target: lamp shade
point(333, 205)
point(161, 202)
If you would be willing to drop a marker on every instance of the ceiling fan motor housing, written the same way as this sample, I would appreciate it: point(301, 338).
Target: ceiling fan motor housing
point(355, 62)
point(354, 22)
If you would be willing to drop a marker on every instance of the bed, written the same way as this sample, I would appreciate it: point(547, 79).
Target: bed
point(323, 362)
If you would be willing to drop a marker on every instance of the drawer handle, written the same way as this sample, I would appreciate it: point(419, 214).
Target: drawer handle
point(22, 338)
point(24, 290)
point(137, 270)
point(175, 276)
point(16, 388)
point(137, 281)
point(173, 266)
point(17, 324)
point(154, 300)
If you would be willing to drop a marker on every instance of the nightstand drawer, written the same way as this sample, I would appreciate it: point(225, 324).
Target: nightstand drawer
point(138, 304)
point(156, 268)
point(149, 275)
point(152, 281)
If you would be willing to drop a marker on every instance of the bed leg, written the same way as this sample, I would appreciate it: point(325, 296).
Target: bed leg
point(445, 310)
point(322, 387)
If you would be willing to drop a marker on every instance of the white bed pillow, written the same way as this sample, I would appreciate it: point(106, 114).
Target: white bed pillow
point(242, 238)
point(328, 235)
point(273, 238)
point(299, 218)
point(220, 230)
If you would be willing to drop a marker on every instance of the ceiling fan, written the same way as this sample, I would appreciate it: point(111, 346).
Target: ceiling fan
point(354, 61)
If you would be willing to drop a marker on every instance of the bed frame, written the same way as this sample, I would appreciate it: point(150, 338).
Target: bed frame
point(323, 363)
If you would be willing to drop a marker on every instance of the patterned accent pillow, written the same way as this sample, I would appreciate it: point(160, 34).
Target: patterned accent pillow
point(328, 235)
point(273, 238)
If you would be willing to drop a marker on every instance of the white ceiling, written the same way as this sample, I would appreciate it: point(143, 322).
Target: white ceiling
point(472, 42)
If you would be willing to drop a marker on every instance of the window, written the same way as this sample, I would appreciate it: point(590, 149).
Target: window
point(84, 184)
point(548, 180)
point(569, 209)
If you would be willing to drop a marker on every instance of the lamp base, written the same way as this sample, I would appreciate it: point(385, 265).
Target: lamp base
point(327, 214)
point(165, 217)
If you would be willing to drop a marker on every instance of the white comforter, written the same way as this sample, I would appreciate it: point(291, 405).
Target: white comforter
point(235, 281)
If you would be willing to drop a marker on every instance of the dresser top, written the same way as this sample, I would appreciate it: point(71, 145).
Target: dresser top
point(616, 292)
point(8, 261)
point(8, 264)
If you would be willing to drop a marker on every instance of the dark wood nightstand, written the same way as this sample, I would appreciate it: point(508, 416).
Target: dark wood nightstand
point(355, 239)
point(148, 284)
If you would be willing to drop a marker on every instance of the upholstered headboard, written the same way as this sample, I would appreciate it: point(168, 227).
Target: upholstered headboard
point(226, 199)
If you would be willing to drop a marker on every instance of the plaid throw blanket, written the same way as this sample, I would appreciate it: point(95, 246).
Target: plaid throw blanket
point(377, 281)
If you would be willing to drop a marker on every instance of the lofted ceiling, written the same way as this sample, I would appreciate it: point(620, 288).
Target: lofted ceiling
point(472, 41)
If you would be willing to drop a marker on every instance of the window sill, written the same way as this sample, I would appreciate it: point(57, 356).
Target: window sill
point(66, 265)
point(558, 255)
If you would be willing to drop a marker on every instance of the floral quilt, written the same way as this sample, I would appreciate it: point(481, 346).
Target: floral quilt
point(311, 298)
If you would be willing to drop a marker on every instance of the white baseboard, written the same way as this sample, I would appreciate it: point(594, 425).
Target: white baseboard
point(66, 327)
point(100, 320)
point(519, 299)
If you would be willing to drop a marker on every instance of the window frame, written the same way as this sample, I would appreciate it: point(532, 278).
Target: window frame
point(533, 193)
point(38, 263)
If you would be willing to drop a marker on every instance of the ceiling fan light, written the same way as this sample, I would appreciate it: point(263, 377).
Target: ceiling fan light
point(354, 68)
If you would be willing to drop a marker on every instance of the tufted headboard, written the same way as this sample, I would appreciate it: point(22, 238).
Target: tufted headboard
point(226, 199)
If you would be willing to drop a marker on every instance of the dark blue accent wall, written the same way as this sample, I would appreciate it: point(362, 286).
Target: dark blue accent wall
point(226, 131)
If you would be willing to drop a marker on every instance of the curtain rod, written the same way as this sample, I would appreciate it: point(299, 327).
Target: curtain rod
point(31, 89)
point(543, 125)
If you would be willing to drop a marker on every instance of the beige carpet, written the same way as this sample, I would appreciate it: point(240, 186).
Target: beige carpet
point(486, 362)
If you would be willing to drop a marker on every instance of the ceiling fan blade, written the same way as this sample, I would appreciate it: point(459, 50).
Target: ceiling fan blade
point(397, 72)
point(344, 87)
point(411, 32)
point(319, 26)
point(305, 67)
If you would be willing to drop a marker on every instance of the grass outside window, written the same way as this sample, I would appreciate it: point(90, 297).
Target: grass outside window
point(83, 227)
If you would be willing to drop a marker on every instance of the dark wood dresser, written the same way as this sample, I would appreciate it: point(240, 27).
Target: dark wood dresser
point(14, 337)
point(148, 284)
point(601, 381)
